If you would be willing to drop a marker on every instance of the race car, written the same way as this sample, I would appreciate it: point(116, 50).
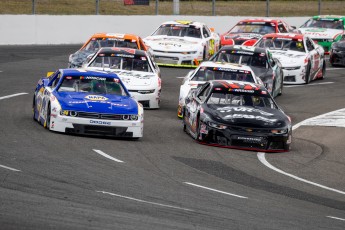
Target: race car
point(260, 60)
point(337, 54)
point(236, 114)
point(87, 103)
point(208, 71)
point(77, 59)
point(248, 31)
point(182, 43)
point(324, 29)
point(135, 68)
point(302, 60)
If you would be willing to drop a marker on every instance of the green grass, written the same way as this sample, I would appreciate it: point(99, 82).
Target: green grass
point(222, 8)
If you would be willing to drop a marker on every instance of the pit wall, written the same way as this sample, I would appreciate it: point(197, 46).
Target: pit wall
point(48, 29)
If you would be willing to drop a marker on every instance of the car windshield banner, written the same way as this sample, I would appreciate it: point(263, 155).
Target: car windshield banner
point(136, 2)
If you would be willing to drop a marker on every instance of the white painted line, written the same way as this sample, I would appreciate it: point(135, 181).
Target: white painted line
point(263, 160)
point(13, 95)
point(179, 77)
point(147, 202)
point(322, 83)
point(215, 190)
point(107, 156)
point(9, 168)
point(334, 69)
point(337, 218)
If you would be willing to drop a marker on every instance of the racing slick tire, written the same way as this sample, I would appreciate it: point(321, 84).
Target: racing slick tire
point(197, 132)
point(204, 54)
point(33, 109)
point(323, 71)
point(307, 74)
point(281, 85)
point(47, 122)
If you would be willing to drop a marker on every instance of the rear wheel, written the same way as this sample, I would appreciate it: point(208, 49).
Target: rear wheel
point(34, 109)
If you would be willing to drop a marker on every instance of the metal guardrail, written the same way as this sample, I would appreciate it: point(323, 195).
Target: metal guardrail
point(175, 7)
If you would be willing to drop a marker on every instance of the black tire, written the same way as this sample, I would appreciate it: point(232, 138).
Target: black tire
point(307, 74)
point(281, 84)
point(47, 123)
point(197, 132)
point(34, 109)
point(323, 71)
point(204, 55)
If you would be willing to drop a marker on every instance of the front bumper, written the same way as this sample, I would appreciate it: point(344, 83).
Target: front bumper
point(148, 100)
point(240, 138)
point(337, 57)
point(294, 75)
point(177, 59)
point(97, 127)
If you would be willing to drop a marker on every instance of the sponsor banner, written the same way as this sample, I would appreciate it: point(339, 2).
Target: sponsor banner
point(136, 2)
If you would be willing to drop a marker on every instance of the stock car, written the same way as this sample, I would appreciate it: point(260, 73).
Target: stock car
point(208, 71)
point(237, 114)
point(248, 31)
point(260, 60)
point(324, 29)
point(87, 103)
point(337, 54)
point(302, 60)
point(182, 43)
point(135, 68)
point(98, 40)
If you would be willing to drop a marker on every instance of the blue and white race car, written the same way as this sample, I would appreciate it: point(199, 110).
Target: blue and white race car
point(87, 102)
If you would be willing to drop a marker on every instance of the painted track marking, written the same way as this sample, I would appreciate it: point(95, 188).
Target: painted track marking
point(144, 201)
point(322, 83)
point(107, 156)
point(215, 190)
point(9, 168)
point(12, 95)
point(337, 218)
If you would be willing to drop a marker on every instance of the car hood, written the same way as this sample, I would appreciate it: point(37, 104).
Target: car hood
point(320, 32)
point(251, 117)
point(289, 57)
point(99, 103)
point(242, 36)
point(170, 43)
point(339, 45)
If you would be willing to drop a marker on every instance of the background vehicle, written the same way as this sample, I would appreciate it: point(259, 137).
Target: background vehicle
point(135, 68)
point(236, 114)
point(337, 54)
point(260, 60)
point(87, 102)
point(324, 29)
point(100, 40)
point(248, 31)
point(208, 71)
point(182, 43)
point(302, 60)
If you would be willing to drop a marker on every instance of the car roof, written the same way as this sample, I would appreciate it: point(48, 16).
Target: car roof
point(328, 17)
point(121, 50)
point(243, 48)
point(115, 35)
point(83, 72)
point(285, 35)
point(225, 65)
point(184, 22)
point(242, 85)
point(269, 20)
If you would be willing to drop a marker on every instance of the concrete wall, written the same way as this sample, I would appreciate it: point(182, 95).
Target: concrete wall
point(47, 29)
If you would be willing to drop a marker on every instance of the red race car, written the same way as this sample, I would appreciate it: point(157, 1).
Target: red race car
point(248, 31)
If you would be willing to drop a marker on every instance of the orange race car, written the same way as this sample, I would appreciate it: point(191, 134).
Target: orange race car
point(99, 40)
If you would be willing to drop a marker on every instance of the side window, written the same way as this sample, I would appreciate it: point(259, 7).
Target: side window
point(202, 95)
point(206, 32)
point(57, 79)
point(309, 44)
point(282, 28)
point(54, 79)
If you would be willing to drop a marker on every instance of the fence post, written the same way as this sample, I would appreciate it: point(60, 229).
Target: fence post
point(156, 7)
point(33, 7)
point(97, 6)
point(267, 8)
point(213, 7)
point(176, 7)
point(319, 12)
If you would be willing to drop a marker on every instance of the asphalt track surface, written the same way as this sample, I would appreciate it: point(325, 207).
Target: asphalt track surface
point(165, 180)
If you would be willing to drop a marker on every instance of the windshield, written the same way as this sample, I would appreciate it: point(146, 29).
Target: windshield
point(241, 99)
point(254, 27)
point(91, 84)
point(97, 43)
point(324, 23)
point(178, 31)
point(215, 73)
point(245, 58)
point(121, 61)
point(274, 43)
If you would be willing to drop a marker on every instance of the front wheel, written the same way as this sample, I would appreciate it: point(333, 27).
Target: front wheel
point(281, 85)
point(47, 122)
point(307, 74)
point(323, 71)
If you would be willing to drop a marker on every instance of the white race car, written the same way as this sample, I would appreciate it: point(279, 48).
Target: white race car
point(182, 43)
point(207, 71)
point(302, 60)
point(135, 68)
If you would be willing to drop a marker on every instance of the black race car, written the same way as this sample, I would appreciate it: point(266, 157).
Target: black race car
point(236, 114)
point(265, 67)
point(337, 54)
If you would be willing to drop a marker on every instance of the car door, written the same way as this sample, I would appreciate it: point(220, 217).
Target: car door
point(210, 42)
point(314, 55)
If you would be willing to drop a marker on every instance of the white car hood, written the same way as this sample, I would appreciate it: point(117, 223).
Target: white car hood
point(172, 44)
point(289, 58)
point(319, 33)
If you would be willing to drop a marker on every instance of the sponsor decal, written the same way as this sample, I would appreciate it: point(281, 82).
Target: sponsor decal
point(100, 122)
point(96, 98)
point(246, 116)
point(243, 109)
point(242, 90)
point(95, 78)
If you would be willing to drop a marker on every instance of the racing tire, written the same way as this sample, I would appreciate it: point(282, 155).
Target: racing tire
point(204, 54)
point(307, 74)
point(47, 122)
point(323, 71)
point(197, 132)
point(34, 109)
point(281, 85)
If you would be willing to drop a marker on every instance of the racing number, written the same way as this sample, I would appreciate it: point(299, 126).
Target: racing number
point(211, 47)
